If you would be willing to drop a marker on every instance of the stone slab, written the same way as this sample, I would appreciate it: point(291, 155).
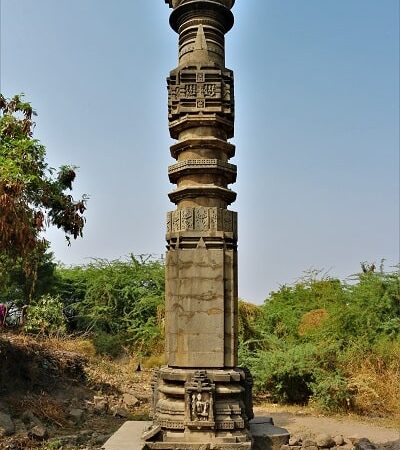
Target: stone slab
point(195, 307)
point(266, 436)
point(128, 437)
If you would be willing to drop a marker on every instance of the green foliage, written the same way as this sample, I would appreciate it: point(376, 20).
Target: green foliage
point(307, 336)
point(16, 288)
point(117, 298)
point(31, 195)
point(108, 344)
point(45, 316)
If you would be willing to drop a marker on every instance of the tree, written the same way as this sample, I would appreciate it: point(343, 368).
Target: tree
point(32, 195)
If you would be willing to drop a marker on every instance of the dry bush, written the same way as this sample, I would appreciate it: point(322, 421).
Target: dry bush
point(154, 361)
point(19, 443)
point(248, 315)
point(81, 346)
point(312, 320)
point(43, 406)
point(117, 374)
point(375, 381)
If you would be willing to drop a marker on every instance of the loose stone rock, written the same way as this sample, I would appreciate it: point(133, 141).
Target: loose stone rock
point(38, 432)
point(100, 439)
point(339, 440)
point(119, 411)
point(309, 443)
point(325, 441)
point(129, 400)
point(69, 440)
point(294, 440)
point(6, 425)
point(76, 415)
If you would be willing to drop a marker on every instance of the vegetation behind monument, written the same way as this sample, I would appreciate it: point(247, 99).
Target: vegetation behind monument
point(332, 343)
point(33, 195)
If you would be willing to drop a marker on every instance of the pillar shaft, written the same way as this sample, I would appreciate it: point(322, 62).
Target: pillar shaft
point(201, 262)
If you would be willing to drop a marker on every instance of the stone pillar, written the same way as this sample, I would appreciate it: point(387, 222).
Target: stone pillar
point(201, 399)
point(201, 287)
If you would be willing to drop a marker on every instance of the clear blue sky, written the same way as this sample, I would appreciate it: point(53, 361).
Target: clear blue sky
point(317, 127)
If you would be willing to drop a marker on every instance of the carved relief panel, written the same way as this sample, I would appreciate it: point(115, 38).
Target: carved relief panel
point(202, 219)
point(199, 401)
point(208, 91)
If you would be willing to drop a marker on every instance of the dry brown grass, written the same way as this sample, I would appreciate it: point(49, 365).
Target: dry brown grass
point(42, 406)
point(375, 381)
point(119, 374)
point(312, 320)
point(154, 361)
point(81, 346)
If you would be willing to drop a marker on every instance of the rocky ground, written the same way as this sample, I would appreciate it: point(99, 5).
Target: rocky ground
point(312, 431)
point(57, 399)
point(54, 398)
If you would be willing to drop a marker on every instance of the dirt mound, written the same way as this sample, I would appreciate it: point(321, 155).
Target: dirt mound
point(68, 399)
point(28, 366)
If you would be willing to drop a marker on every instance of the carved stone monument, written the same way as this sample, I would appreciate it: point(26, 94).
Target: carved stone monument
point(201, 398)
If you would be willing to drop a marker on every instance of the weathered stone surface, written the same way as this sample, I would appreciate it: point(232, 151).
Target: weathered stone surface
point(338, 440)
point(295, 440)
point(76, 415)
point(309, 443)
point(120, 411)
point(201, 400)
point(267, 436)
point(324, 440)
point(128, 437)
point(364, 444)
point(129, 400)
point(195, 308)
point(38, 432)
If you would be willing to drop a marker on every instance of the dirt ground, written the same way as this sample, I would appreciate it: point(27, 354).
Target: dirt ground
point(309, 424)
point(43, 382)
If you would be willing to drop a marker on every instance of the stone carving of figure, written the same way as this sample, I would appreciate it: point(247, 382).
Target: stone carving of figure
point(200, 408)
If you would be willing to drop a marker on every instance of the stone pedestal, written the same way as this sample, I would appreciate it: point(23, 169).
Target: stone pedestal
point(265, 436)
point(202, 407)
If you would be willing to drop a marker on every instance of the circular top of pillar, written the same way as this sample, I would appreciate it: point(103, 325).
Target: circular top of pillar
point(189, 9)
point(176, 3)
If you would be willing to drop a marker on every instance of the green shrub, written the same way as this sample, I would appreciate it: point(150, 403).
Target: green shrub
point(45, 316)
point(122, 297)
point(331, 392)
point(108, 344)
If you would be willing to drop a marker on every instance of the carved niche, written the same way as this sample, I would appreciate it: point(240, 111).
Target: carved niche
point(200, 401)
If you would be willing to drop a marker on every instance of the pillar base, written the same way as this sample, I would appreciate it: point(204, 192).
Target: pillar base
point(201, 409)
point(263, 436)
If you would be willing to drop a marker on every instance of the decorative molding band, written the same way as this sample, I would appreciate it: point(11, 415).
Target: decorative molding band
point(175, 3)
point(215, 9)
point(190, 166)
point(203, 143)
point(205, 190)
point(202, 219)
point(201, 120)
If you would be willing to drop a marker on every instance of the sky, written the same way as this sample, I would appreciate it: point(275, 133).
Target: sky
point(316, 130)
